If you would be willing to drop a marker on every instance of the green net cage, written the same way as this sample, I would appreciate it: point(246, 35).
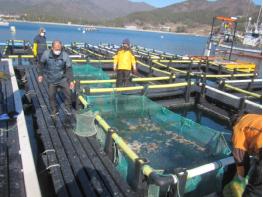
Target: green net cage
point(165, 138)
point(89, 72)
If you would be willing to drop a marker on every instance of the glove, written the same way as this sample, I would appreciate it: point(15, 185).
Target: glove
point(236, 187)
point(4, 75)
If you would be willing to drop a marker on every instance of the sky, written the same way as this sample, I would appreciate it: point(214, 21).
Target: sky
point(163, 3)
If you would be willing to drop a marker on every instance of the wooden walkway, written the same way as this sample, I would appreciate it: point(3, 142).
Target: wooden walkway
point(11, 169)
point(77, 165)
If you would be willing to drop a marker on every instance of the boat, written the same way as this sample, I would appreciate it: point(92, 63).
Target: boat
point(4, 22)
point(85, 29)
point(222, 44)
point(253, 33)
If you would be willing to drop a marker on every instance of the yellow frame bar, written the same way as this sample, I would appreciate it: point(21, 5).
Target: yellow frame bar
point(91, 52)
point(181, 61)
point(147, 170)
point(242, 91)
point(156, 69)
point(145, 79)
point(123, 89)
point(20, 56)
point(171, 68)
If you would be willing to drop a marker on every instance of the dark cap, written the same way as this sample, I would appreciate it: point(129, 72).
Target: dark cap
point(126, 41)
point(42, 30)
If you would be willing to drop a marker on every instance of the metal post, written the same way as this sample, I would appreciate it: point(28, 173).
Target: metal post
point(171, 79)
point(208, 45)
point(231, 49)
point(252, 81)
point(206, 66)
point(175, 189)
point(190, 66)
point(199, 99)
point(199, 66)
point(220, 69)
point(221, 85)
point(77, 93)
point(188, 87)
point(108, 148)
point(169, 65)
point(150, 68)
point(139, 182)
point(233, 73)
point(242, 105)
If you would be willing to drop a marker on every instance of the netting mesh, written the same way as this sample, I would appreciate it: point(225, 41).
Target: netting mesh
point(157, 133)
point(89, 72)
point(165, 138)
point(85, 125)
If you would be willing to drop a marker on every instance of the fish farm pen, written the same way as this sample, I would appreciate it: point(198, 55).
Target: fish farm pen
point(166, 134)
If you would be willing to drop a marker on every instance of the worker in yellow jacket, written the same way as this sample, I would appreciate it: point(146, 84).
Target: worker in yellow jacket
point(40, 44)
point(124, 62)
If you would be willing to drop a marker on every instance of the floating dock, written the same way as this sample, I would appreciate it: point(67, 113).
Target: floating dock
point(71, 165)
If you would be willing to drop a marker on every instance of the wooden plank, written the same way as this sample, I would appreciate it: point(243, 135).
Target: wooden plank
point(119, 181)
point(16, 178)
point(58, 140)
point(4, 178)
point(68, 177)
point(107, 179)
point(29, 171)
point(74, 151)
point(56, 174)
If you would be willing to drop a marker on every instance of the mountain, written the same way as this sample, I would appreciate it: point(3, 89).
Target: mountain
point(74, 10)
point(188, 15)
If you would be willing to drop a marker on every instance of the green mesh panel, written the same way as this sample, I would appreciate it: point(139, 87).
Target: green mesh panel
point(165, 138)
point(88, 72)
point(147, 127)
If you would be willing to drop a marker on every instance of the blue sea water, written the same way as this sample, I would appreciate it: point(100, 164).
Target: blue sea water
point(167, 42)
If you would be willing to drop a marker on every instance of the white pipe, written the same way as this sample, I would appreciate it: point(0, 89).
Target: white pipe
point(210, 167)
point(76, 56)
point(232, 96)
point(254, 104)
point(241, 49)
point(243, 81)
point(221, 92)
point(104, 49)
point(207, 168)
point(29, 170)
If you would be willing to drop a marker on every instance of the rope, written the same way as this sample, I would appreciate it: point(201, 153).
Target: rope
point(48, 150)
point(9, 129)
point(175, 178)
point(47, 168)
point(31, 92)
